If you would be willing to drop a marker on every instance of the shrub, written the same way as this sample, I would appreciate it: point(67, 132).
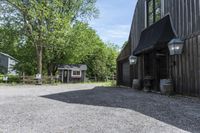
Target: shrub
point(13, 79)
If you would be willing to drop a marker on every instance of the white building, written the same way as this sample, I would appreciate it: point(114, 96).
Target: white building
point(7, 64)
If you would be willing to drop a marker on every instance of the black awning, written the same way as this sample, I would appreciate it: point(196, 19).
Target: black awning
point(155, 36)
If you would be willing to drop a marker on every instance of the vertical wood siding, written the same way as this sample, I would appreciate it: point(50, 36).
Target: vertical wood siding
point(185, 15)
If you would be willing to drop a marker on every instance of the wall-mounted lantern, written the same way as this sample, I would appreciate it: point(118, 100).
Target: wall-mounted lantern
point(176, 46)
point(133, 60)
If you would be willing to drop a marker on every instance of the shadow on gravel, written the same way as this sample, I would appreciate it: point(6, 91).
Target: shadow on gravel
point(180, 112)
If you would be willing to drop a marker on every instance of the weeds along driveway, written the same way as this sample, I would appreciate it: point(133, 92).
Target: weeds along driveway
point(89, 108)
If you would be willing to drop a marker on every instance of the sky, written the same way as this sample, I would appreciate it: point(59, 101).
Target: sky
point(114, 22)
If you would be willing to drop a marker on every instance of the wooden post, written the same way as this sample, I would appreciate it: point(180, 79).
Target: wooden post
point(51, 78)
point(68, 76)
point(62, 76)
point(23, 77)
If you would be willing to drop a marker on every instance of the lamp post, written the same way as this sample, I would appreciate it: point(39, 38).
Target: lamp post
point(176, 46)
point(133, 60)
point(136, 84)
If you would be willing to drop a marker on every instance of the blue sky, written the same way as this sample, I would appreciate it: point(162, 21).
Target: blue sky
point(114, 22)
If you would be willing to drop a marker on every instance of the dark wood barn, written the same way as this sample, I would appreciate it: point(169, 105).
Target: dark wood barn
point(72, 73)
point(155, 24)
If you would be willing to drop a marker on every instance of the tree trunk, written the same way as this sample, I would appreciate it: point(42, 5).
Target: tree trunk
point(39, 59)
point(55, 69)
point(49, 69)
point(39, 51)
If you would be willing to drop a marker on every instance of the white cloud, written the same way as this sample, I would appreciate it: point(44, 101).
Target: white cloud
point(117, 33)
point(114, 22)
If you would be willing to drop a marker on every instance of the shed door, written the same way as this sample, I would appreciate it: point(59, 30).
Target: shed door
point(65, 76)
point(126, 73)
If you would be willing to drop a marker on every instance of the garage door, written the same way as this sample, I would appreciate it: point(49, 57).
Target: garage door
point(126, 73)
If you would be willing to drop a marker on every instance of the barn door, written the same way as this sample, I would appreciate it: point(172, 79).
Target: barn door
point(161, 69)
point(155, 65)
point(150, 68)
point(126, 73)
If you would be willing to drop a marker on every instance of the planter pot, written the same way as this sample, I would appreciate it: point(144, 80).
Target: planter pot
point(147, 83)
point(136, 84)
point(166, 86)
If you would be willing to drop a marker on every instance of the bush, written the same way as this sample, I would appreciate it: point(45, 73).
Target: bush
point(1, 78)
point(11, 78)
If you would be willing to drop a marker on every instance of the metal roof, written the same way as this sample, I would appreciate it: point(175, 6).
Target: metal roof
point(8, 56)
point(81, 67)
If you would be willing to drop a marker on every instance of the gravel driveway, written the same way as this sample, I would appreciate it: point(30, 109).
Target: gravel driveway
point(88, 108)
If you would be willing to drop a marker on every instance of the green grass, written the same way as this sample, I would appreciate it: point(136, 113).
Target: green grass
point(108, 83)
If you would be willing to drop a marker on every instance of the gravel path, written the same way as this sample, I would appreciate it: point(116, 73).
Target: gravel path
point(87, 108)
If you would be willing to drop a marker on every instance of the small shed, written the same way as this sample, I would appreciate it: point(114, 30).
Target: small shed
point(7, 64)
point(72, 73)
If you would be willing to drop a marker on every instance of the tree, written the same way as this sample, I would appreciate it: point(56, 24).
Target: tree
point(55, 33)
point(42, 19)
point(102, 61)
point(9, 38)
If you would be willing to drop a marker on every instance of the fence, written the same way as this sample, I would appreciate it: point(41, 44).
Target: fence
point(28, 79)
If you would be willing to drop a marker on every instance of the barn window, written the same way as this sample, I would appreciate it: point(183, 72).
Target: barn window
point(153, 11)
point(76, 73)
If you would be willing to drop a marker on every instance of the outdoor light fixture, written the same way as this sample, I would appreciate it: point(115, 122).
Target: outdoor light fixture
point(132, 60)
point(176, 46)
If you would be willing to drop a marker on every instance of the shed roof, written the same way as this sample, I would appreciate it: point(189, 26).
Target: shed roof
point(81, 67)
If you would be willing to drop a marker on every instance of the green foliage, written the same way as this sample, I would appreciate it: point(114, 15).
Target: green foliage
point(102, 62)
point(43, 34)
point(9, 39)
point(11, 78)
point(46, 23)
point(27, 61)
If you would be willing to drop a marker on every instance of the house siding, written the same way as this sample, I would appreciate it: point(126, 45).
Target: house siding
point(11, 64)
point(4, 63)
point(65, 73)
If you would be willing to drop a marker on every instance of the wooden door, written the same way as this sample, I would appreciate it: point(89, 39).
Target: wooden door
point(155, 65)
point(161, 69)
point(65, 76)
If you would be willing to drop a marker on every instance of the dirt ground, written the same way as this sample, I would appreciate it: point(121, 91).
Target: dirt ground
point(89, 108)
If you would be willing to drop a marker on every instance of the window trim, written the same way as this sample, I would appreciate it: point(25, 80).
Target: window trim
point(76, 76)
point(162, 8)
point(147, 24)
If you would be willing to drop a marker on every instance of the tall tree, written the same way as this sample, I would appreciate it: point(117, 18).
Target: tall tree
point(42, 19)
point(54, 28)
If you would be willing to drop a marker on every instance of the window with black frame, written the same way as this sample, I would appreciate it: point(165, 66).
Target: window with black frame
point(76, 73)
point(153, 11)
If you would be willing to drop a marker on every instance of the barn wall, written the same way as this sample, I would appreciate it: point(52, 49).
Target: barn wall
point(124, 73)
point(185, 69)
point(123, 67)
point(185, 15)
